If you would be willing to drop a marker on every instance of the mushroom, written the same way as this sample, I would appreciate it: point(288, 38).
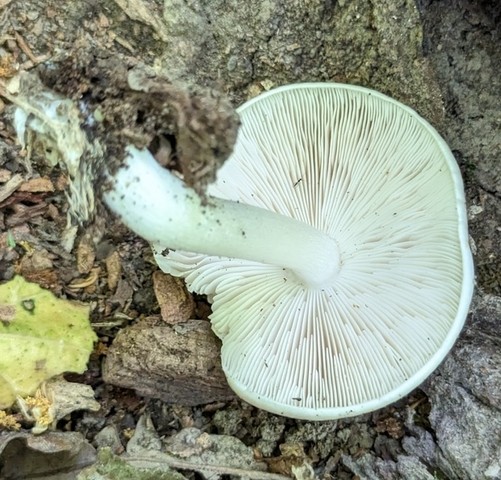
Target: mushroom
point(333, 246)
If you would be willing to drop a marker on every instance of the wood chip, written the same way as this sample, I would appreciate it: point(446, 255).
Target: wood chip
point(10, 186)
point(37, 185)
point(176, 304)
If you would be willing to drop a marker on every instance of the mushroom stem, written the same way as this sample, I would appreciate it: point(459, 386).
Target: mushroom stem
point(159, 207)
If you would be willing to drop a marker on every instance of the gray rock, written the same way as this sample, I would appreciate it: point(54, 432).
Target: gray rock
point(465, 397)
point(249, 47)
point(420, 443)
point(369, 467)
point(109, 437)
point(463, 46)
point(53, 455)
point(468, 433)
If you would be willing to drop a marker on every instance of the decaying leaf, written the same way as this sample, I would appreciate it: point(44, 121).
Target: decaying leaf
point(45, 337)
point(23, 455)
point(69, 397)
point(54, 400)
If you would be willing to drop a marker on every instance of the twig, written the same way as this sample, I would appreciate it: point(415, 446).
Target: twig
point(173, 462)
point(33, 59)
point(24, 47)
point(33, 63)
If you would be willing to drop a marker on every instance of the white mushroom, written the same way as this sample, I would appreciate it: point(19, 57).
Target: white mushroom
point(338, 262)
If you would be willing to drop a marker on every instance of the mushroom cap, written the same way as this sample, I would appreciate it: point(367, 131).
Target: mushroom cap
point(371, 173)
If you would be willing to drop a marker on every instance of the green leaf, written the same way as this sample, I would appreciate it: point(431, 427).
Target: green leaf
point(40, 336)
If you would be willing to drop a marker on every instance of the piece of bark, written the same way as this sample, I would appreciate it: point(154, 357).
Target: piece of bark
point(177, 364)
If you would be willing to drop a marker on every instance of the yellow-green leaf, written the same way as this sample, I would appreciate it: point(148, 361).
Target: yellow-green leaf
point(40, 336)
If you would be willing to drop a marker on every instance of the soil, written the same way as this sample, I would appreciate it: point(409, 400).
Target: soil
point(445, 62)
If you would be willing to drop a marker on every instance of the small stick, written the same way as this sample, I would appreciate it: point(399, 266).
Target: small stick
point(25, 48)
point(173, 462)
